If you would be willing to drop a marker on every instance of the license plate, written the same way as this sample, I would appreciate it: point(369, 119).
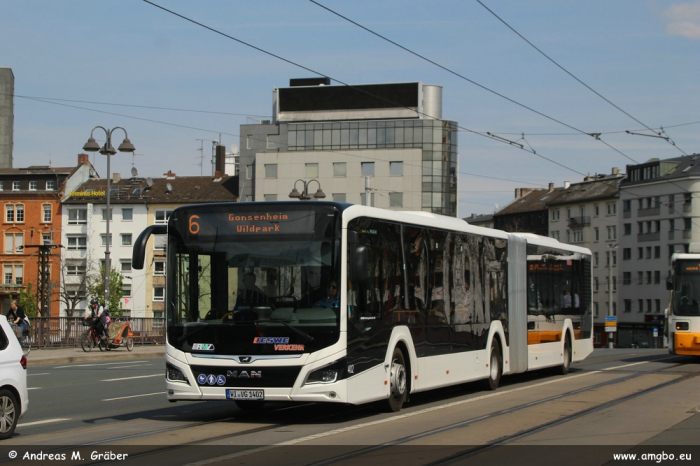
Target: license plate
point(245, 394)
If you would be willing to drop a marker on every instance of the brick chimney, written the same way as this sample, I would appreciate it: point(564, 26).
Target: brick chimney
point(170, 175)
point(83, 159)
point(217, 175)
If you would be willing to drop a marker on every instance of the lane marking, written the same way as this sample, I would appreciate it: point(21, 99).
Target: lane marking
point(36, 423)
point(34, 388)
point(129, 367)
point(135, 377)
point(43, 373)
point(95, 364)
point(133, 396)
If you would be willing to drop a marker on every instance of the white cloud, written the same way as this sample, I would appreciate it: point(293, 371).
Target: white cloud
point(683, 20)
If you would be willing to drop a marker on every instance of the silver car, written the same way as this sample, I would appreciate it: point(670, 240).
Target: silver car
point(14, 398)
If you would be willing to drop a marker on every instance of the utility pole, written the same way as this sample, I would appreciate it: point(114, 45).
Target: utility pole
point(201, 157)
point(43, 276)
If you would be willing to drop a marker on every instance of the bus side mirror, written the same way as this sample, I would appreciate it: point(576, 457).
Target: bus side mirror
point(357, 259)
point(138, 254)
point(669, 283)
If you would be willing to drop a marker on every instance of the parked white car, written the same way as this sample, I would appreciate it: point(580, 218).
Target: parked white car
point(14, 398)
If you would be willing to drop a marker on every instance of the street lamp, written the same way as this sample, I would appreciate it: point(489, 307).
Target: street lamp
point(304, 195)
point(108, 150)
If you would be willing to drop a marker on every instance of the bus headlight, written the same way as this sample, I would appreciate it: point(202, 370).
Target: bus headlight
point(173, 374)
point(327, 374)
point(681, 325)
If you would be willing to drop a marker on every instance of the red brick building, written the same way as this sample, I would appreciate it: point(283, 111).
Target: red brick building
point(30, 205)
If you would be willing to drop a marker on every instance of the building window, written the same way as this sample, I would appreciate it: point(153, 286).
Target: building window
point(77, 242)
point(126, 239)
point(15, 185)
point(32, 185)
point(367, 168)
point(596, 234)
point(77, 216)
point(672, 225)
point(162, 216)
point(340, 169)
point(612, 233)
point(596, 259)
point(311, 170)
point(76, 268)
point(47, 213)
point(127, 214)
point(126, 289)
point(687, 224)
point(159, 268)
point(46, 238)
point(160, 242)
point(2, 185)
point(249, 172)
point(271, 170)
point(657, 277)
point(104, 214)
point(628, 305)
point(339, 197)
point(626, 254)
point(612, 208)
point(595, 284)
point(9, 213)
point(626, 206)
point(640, 278)
point(14, 274)
point(126, 266)
point(20, 213)
point(158, 293)
point(50, 186)
point(648, 277)
point(14, 243)
point(687, 198)
point(626, 278)
point(395, 199)
point(396, 168)
point(270, 197)
point(371, 199)
point(657, 252)
point(595, 307)
point(627, 229)
point(104, 239)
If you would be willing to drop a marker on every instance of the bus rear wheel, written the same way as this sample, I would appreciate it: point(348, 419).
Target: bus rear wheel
point(564, 369)
point(495, 365)
point(397, 381)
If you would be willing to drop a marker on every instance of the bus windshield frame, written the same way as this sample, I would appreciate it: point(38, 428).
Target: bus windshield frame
point(261, 276)
point(686, 288)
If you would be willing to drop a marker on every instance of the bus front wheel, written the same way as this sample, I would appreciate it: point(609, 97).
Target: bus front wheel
point(564, 369)
point(495, 365)
point(397, 380)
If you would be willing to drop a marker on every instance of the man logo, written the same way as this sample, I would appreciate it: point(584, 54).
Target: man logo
point(244, 374)
point(245, 359)
point(203, 347)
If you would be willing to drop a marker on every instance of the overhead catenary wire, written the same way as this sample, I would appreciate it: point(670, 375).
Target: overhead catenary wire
point(568, 72)
point(339, 81)
point(594, 135)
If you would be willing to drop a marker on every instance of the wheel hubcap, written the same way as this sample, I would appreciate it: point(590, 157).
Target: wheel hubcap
point(398, 379)
point(7, 414)
point(494, 366)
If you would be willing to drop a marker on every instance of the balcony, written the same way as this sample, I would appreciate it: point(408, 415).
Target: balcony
point(649, 212)
point(579, 222)
point(649, 237)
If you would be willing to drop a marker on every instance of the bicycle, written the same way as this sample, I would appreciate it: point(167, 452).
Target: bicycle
point(23, 337)
point(90, 339)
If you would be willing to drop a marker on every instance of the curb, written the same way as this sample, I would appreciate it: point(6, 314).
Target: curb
point(100, 356)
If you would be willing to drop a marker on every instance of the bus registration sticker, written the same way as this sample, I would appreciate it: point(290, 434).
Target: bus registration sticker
point(245, 394)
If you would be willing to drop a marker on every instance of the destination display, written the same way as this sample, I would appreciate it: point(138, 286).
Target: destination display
point(257, 223)
point(689, 267)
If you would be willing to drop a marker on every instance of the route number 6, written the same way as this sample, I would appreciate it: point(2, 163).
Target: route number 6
point(194, 226)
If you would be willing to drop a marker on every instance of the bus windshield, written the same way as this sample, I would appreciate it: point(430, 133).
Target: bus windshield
point(253, 280)
point(686, 289)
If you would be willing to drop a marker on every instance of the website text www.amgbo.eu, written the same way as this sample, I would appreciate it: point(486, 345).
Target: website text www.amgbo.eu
point(655, 457)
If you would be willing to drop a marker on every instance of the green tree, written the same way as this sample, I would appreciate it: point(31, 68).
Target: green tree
point(96, 288)
point(27, 300)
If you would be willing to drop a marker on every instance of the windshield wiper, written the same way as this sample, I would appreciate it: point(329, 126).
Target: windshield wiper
point(293, 329)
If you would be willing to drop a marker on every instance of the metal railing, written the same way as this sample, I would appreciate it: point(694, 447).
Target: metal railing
point(57, 332)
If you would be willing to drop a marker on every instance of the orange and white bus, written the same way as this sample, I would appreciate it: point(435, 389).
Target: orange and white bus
point(682, 323)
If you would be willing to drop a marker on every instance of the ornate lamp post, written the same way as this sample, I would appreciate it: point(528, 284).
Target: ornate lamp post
point(304, 195)
point(108, 150)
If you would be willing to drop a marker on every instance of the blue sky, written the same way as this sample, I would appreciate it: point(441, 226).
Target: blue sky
point(644, 56)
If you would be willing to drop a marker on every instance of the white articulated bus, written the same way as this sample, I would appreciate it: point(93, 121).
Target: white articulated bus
point(423, 301)
point(682, 323)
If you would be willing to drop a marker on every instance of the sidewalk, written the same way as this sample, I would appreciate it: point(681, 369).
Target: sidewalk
point(49, 356)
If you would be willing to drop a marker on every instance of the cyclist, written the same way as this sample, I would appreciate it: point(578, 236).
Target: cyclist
point(17, 316)
point(94, 314)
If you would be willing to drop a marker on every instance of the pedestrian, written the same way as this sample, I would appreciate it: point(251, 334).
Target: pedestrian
point(17, 316)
